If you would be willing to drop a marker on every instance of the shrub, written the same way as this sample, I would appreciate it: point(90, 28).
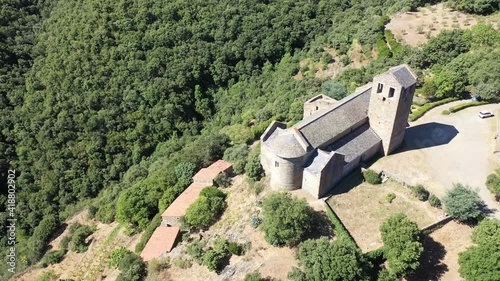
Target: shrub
point(253, 168)
point(196, 250)
point(428, 106)
point(463, 203)
point(254, 276)
point(206, 209)
point(234, 248)
point(434, 201)
point(459, 107)
point(65, 242)
point(420, 192)
point(211, 259)
point(220, 245)
point(157, 265)
point(54, 257)
point(340, 230)
point(446, 112)
point(92, 211)
point(48, 276)
point(182, 263)
point(256, 187)
point(493, 183)
point(212, 192)
point(255, 221)
point(222, 180)
point(390, 197)
point(130, 264)
point(78, 238)
point(116, 256)
point(372, 177)
point(286, 219)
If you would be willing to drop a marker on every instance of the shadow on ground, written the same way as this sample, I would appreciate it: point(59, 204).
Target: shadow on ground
point(431, 266)
point(352, 180)
point(427, 135)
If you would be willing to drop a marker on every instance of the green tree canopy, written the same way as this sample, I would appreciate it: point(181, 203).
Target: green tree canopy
point(334, 89)
point(481, 262)
point(402, 246)
point(207, 208)
point(463, 203)
point(322, 259)
point(286, 219)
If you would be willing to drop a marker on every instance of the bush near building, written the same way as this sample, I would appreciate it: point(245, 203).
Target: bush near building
point(372, 177)
point(463, 203)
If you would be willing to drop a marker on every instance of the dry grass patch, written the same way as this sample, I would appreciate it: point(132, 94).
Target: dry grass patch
point(364, 207)
point(406, 25)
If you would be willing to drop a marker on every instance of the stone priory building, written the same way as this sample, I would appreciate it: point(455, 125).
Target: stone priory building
point(334, 137)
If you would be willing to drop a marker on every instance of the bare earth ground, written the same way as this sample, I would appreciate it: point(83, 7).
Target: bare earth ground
point(234, 225)
point(91, 265)
point(336, 67)
point(440, 150)
point(440, 258)
point(431, 20)
point(362, 208)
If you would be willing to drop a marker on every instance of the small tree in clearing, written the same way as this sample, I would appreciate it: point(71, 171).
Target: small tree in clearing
point(402, 247)
point(463, 203)
point(286, 219)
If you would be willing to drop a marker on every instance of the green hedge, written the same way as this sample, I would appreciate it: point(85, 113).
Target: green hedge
point(339, 227)
point(155, 222)
point(428, 106)
point(459, 107)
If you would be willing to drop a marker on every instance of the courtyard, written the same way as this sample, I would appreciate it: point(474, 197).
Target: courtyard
point(363, 207)
point(440, 150)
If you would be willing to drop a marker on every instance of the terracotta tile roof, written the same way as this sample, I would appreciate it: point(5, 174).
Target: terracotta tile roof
point(179, 206)
point(209, 173)
point(162, 241)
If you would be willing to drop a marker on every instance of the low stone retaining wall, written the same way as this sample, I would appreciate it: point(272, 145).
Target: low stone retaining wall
point(436, 225)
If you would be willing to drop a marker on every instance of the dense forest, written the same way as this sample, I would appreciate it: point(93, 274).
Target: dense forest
point(106, 103)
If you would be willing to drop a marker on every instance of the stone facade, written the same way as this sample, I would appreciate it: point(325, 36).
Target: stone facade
point(336, 136)
point(317, 103)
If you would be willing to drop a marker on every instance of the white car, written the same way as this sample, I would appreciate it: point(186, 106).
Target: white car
point(485, 114)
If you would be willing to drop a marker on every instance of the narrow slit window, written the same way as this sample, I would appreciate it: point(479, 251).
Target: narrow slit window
point(380, 87)
point(276, 164)
point(391, 92)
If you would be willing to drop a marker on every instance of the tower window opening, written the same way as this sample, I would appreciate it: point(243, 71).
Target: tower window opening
point(383, 98)
point(380, 87)
point(316, 108)
point(276, 164)
point(391, 92)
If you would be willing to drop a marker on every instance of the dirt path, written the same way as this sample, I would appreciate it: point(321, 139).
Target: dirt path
point(440, 150)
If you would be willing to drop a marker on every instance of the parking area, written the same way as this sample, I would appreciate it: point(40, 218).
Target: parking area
point(440, 150)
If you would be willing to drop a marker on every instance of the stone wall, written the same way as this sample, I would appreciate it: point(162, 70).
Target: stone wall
point(286, 173)
point(317, 103)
